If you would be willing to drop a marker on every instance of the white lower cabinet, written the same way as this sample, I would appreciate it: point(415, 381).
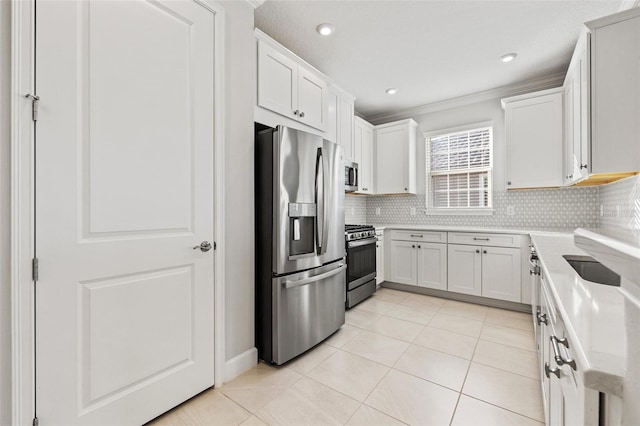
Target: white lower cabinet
point(404, 261)
point(493, 272)
point(501, 273)
point(419, 263)
point(379, 257)
point(478, 264)
point(489, 265)
point(465, 269)
point(567, 401)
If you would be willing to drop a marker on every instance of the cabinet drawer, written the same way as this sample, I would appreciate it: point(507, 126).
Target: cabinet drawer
point(495, 240)
point(426, 236)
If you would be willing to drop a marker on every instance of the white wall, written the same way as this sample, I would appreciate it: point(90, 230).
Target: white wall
point(240, 99)
point(5, 209)
point(490, 110)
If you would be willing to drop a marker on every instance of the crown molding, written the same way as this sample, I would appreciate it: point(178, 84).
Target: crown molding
point(255, 3)
point(548, 82)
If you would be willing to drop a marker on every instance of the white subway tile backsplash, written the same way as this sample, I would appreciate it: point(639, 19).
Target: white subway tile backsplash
point(565, 208)
point(355, 209)
point(620, 203)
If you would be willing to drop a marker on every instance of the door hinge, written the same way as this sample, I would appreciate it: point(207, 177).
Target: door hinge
point(35, 422)
point(34, 105)
point(34, 270)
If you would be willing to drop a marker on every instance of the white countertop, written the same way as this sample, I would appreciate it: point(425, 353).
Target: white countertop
point(460, 228)
point(593, 315)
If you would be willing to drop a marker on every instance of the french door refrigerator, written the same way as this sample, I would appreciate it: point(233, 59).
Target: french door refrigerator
point(300, 249)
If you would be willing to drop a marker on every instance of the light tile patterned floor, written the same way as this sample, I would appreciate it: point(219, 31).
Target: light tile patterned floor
point(401, 358)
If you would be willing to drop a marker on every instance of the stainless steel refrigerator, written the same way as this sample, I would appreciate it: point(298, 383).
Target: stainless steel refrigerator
point(300, 249)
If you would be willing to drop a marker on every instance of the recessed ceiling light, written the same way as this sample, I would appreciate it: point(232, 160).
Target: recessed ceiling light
point(325, 29)
point(391, 91)
point(508, 57)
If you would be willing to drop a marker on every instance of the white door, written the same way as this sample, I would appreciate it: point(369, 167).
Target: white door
point(124, 191)
point(391, 159)
point(312, 99)
point(404, 269)
point(501, 273)
point(432, 265)
point(277, 81)
point(464, 269)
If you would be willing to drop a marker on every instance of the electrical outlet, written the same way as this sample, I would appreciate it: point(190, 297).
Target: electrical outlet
point(353, 211)
point(413, 211)
point(510, 211)
point(377, 211)
point(601, 210)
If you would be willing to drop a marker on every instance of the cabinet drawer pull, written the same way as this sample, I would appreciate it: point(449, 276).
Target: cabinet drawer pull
point(413, 246)
point(296, 112)
point(548, 371)
point(301, 114)
point(556, 352)
point(480, 239)
point(416, 235)
point(583, 166)
point(477, 251)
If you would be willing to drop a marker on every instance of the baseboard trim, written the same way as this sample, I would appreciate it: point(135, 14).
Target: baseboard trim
point(495, 303)
point(239, 364)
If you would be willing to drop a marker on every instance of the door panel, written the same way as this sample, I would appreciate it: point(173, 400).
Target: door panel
point(432, 265)
point(501, 273)
point(404, 262)
point(464, 269)
point(312, 99)
point(121, 72)
point(124, 191)
point(277, 81)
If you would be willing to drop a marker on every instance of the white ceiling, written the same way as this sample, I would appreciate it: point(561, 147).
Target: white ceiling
point(429, 50)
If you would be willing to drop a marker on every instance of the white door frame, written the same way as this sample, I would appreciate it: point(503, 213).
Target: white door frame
point(22, 206)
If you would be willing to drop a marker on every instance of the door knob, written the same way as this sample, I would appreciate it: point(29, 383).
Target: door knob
point(204, 246)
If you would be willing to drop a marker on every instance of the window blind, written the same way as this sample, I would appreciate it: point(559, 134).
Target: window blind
point(459, 169)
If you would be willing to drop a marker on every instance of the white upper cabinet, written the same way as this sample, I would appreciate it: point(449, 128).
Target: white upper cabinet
point(395, 157)
point(615, 92)
point(534, 136)
point(363, 144)
point(345, 125)
point(287, 87)
point(576, 115)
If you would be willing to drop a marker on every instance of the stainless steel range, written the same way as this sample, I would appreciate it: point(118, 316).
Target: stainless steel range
point(361, 263)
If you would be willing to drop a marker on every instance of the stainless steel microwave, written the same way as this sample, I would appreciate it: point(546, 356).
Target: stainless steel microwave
point(350, 176)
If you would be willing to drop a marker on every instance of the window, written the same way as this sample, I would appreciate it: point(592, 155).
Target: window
point(459, 165)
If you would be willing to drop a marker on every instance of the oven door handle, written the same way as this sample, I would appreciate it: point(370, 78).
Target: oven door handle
point(358, 243)
point(305, 281)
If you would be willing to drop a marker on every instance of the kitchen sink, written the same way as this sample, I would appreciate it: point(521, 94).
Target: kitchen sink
point(592, 270)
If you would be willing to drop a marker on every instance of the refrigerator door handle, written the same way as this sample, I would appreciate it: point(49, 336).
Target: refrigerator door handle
point(321, 228)
point(305, 281)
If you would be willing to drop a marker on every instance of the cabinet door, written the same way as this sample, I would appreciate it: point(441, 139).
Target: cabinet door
point(432, 265)
point(464, 269)
point(615, 91)
point(584, 113)
point(345, 127)
point(357, 152)
point(366, 165)
point(501, 273)
point(277, 81)
point(380, 261)
point(312, 99)
point(534, 133)
point(391, 158)
point(403, 262)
